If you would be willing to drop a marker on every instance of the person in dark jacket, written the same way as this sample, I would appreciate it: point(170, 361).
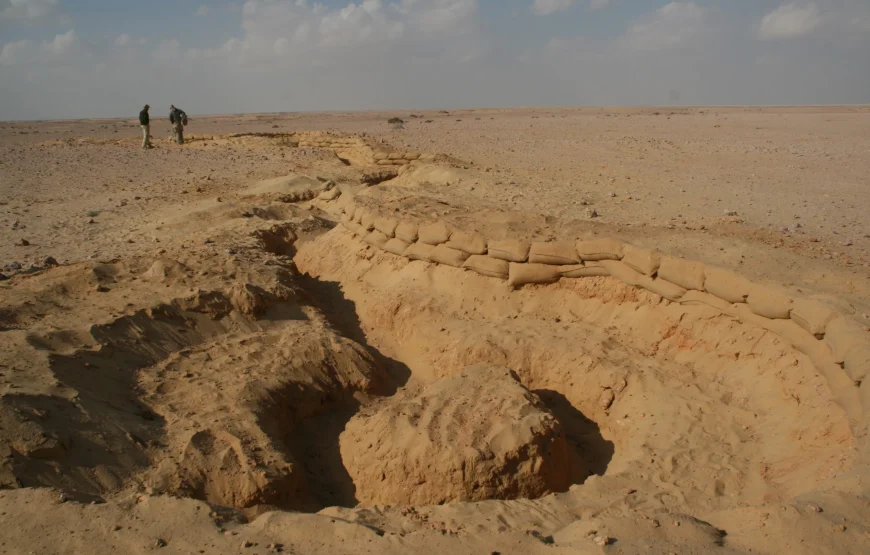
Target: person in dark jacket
point(178, 118)
point(145, 124)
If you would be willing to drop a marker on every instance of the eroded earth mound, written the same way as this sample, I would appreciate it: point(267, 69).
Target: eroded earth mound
point(476, 435)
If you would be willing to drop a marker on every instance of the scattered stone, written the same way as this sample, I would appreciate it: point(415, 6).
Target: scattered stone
point(246, 545)
point(159, 543)
point(23, 243)
point(91, 221)
point(247, 214)
point(122, 204)
point(656, 523)
point(847, 243)
point(3, 277)
point(612, 194)
point(592, 213)
point(731, 212)
point(276, 547)
point(603, 540)
point(815, 508)
point(841, 528)
point(49, 261)
point(208, 241)
point(63, 498)
point(101, 289)
point(12, 266)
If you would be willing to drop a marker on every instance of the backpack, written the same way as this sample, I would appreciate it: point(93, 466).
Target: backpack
point(183, 119)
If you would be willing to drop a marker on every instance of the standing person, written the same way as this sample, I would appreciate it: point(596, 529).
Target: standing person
point(145, 124)
point(179, 120)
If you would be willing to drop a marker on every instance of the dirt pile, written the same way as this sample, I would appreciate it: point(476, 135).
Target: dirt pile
point(476, 435)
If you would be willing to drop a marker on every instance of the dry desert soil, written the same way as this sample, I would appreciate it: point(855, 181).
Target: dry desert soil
point(328, 333)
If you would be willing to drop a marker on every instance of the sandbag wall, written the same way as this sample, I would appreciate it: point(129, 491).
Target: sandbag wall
point(375, 154)
point(839, 346)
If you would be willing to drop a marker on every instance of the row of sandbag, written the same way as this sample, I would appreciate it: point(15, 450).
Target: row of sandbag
point(524, 262)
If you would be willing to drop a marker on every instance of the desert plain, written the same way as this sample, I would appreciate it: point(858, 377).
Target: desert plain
point(295, 333)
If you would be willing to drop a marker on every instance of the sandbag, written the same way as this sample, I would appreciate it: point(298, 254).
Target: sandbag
point(487, 266)
point(368, 220)
point(358, 214)
point(844, 334)
point(419, 251)
point(558, 253)
point(345, 219)
point(661, 287)
point(350, 209)
point(407, 232)
point(600, 249)
point(467, 242)
point(510, 250)
point(699, 298)
point(622, 271)
point(522, 274)
point(645, 261)
point(396, 246)
point(769, 303)
point(726, 285)
point(331, 194)
point(857, 362)
point(376, 238)
point(434, 234)
point(812, 316)
point(387, 226)
point(685, 273)
point(589, 269)
point(355, 228)
point(442, 254)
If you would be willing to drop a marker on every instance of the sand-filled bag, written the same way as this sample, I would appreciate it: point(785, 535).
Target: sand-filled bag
point(376, 238)
point(331, 194)
point(600, 249)
point(442, 254)
point(467, 242)
point(487, 266)
point(726, 285)
point(621, 271)
point(812, 316)
point(557, 253)
point(645, 261)
point(358, 214)
point(685, 273)
point(769, 303)
point(434, 234)
point(661, 287)
point(368, 220)
point(350, 209)
point(407, 232)
point(522, 274)
point(857, 362)
point(419, 251)
point(844, 334)
point(700, 298)
point(588, 269)
point(509, 250)
point(387, 226)
point(396, 246)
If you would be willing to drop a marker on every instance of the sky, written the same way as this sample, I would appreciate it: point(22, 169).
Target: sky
point(107, 58)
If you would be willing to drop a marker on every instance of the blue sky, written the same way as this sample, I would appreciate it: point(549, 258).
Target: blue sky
point(94, 58)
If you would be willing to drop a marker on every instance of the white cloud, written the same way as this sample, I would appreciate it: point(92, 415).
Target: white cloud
point(202, 11)
point(790, 21)
point(547, 7)
point(29, 10)
point(64, 43)
point(670, 26)
point(12, 51)
point(122, 40)
point(598, 4)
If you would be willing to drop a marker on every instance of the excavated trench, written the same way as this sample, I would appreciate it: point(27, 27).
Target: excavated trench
point(707, 412)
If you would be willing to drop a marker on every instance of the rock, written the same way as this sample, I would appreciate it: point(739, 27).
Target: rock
point(101, 289)
point(3, 277)
point(603, 540)
point(612, 194)
point(847, 243)
point(13, 266)
point(508, 445)
point(592, 213)
point(730, 213)
point(606, 399)
point(23, 243)
point(246, 545)
point(91, 221)
point(159, 543)
point(49, 261)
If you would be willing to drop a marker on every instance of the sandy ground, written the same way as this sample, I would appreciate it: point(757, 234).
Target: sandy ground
point(214, 367)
